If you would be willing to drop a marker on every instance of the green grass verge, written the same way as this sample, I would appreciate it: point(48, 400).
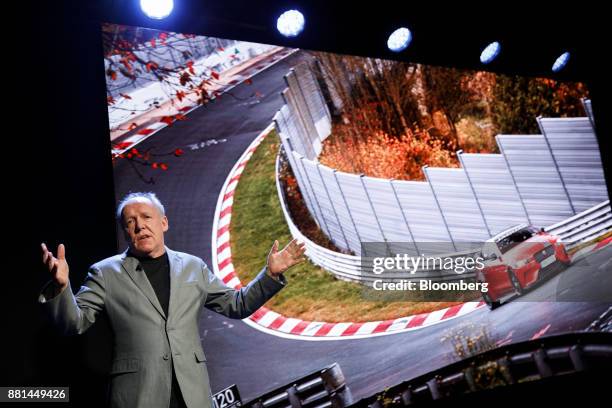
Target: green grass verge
point(312, 293)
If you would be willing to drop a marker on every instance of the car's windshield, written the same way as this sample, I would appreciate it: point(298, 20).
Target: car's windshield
point(512, 240)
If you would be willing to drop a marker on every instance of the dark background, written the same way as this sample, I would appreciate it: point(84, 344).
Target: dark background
point(56, 129)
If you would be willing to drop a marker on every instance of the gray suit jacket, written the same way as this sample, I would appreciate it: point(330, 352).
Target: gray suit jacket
point(146, 341)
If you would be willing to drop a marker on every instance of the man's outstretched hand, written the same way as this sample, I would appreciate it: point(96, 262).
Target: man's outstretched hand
point(280, 261)
point(57, 266)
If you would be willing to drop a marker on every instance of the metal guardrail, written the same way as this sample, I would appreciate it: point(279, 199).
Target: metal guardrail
point(320, 389)
point(585, 226)
point(603, 323)
point(512, 364)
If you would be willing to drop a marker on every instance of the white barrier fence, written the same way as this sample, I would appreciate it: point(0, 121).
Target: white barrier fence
point(582, 227)
point(354, 268)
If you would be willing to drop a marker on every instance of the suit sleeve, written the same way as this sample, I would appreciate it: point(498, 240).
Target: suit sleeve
point(240, 304)
point(74, 314)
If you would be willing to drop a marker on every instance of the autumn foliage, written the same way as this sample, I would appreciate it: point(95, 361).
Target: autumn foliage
point(392, 118)
point(390, 157)
point(519, 100)
point(389, 118)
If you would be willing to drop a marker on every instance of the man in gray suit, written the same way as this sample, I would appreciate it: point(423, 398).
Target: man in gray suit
point(153, 297)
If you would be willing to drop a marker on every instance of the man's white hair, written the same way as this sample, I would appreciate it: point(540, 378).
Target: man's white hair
point(150, 196)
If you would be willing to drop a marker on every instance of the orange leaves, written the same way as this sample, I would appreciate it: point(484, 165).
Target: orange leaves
point(190, 67)
point(133, 153)
point(378, 154)
point(126, 96)
point(201, 91)
point(204, 98)
point(169, 120)
point(162, 166)
point(551, 83)
point(127, 73)
point(142, 158)
point(185, 77)
point(180, 95)
point(127, 64)
point(127, 60)
point(204, 82)
point(121, 145)
point(111, 74)
point(214, 75)
point(151, 66)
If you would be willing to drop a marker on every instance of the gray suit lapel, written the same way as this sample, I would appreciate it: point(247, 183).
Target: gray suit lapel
point(176, 265)
point(140, 279)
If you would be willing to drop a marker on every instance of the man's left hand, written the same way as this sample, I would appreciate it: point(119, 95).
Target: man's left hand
point(280, 261)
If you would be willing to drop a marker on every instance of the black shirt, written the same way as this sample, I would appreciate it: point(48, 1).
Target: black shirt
point(158, 273)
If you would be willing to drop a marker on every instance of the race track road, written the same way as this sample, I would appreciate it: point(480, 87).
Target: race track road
point(259, 362)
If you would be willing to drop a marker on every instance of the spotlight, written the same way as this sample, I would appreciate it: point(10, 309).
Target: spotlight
point(490, 52)
point(399, 40)
point(290, 23)
point(157, 9)
point(561, 62)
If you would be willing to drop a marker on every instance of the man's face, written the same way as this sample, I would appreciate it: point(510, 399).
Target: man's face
point(144, 228)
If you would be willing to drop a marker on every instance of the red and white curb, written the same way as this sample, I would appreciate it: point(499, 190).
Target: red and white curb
point(142, 134)
point(273, 323)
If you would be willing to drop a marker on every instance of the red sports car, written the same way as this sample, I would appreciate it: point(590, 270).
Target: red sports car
point(518, 258)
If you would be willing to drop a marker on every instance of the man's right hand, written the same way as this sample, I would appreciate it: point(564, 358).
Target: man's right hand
point(57, 266)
